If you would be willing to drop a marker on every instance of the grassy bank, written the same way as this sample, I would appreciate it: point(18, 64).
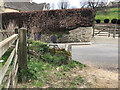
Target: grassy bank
point(110, 14)
point(50, 68)
point(45, 75)
point(54, 70)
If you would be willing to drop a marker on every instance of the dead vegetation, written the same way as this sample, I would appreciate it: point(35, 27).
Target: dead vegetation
point(57, 20)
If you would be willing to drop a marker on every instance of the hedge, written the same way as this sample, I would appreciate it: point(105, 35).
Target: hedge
point(98, 21)
point(114, 21)
point(106, 21)
point(51, 20)
point(118, 21)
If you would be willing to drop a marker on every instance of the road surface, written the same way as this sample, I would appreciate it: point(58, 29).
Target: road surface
point(103, 53)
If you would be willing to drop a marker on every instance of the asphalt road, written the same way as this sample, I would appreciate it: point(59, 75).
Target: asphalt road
point(103, 53)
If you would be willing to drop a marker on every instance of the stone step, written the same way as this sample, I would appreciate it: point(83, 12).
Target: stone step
point(102, 35)
point(103, 32)
point(111, 35)
point(115, 35)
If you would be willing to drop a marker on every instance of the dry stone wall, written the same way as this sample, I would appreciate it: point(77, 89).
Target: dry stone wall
point(81, 34)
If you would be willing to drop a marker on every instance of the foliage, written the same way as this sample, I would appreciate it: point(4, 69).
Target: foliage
point(98, 21)
point(67, 32)
point(112, 13)
point(40, 73)
point(39, 47)
point(72, 64)
point(114, 21)
point(55, 59)
point(51, 55)
point(51, 20)
point(106, 21)
point(6, 55)
point(77, 81)
point(59, 35)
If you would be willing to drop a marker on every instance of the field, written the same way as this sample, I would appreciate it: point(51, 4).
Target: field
point(110, 14)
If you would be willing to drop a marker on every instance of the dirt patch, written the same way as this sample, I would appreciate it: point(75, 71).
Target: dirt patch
point(89, 77)
point(100, 78)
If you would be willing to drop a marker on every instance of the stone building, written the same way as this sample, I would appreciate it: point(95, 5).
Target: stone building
point(25, 5)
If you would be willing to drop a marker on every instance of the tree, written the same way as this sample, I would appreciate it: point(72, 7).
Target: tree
point(95, 4)
point(63, 4)
point(52, 6)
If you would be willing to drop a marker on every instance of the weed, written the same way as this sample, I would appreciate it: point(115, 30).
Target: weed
point(48, 67)
point(60, 35)
point(67, 32)
point(39, 72)
point(80, 79)
point(6, 55)
point(77, 81)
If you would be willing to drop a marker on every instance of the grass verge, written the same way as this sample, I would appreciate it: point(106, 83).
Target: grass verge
point(55, 71)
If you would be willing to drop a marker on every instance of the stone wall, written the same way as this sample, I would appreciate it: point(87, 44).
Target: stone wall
point(81, 34)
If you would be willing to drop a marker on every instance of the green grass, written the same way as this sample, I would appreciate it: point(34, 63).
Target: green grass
point(49, 73)
point(52, 56)
point(77, 81)
point(53, 72)
point(41, 74)
point(111, 14)
point(6, 55)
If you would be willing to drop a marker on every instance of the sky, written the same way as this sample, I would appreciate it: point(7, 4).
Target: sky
point(73, 3)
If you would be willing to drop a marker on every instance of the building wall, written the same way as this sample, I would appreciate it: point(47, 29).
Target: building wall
point(10, 10)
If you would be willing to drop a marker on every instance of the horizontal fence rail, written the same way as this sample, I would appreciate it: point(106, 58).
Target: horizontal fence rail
point(11, 79)
point(7, 31)
point(111, 30)
point(4, 45)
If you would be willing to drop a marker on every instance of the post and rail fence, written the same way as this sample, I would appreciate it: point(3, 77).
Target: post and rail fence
point(17, 59)
point(111, 30)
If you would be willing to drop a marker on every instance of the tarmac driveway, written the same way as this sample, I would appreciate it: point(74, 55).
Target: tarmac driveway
point(103, 53)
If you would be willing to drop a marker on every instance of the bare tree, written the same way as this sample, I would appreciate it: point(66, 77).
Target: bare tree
point(95, 4)
point(63, 4)
point(52, 6)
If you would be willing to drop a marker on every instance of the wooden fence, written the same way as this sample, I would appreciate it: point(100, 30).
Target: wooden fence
point(12, 64)
point(112, 29)
point(6, 33)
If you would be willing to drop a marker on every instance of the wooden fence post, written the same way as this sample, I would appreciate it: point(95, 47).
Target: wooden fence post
point(114, 32)
point(108, 31)
point(22, 54)
point(119, 31)
point(93, 30)
point(16, 31)
point(70, 51)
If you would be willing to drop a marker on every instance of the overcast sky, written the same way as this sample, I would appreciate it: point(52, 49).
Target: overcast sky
point(73, 3)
